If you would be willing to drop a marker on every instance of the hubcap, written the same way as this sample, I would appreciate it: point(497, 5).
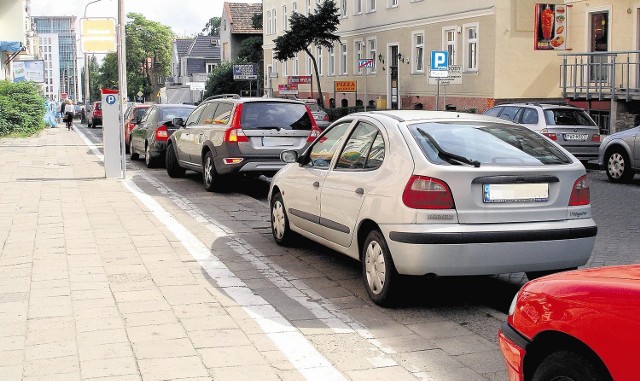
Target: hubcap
point(375, 267)
point(615, 166)
point(277, 219)
point(208, 168)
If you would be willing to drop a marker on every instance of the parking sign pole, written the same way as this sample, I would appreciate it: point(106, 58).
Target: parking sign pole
point(438, 94)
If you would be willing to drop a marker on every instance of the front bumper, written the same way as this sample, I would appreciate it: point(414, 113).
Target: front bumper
point(514, 348)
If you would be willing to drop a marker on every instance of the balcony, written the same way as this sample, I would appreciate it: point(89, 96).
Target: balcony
point(611, 76)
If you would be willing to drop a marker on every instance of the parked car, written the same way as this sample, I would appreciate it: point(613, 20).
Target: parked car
point(569, 126)
point(228, 134)
point(133, 115)
point(619, 155)
point(95, 115)
point(321, 117)
point(149, 137)
point(578, 325)
point(435, 193)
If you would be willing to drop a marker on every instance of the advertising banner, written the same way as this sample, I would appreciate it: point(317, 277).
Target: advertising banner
point(28, 70)
point(98, 35)
point(299, 79)
point(345, 86)
point(550, 32)
point(288, 89)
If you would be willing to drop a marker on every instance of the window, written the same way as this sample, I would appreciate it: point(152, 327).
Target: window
point(309, 7)
point(371, 5)
point(323, 150)
point(269, 31)
point(529, 116)
point(332, 61)
point(274, 65)
point(471, 47)
point(319, 59)
point(343, 8)
point(273, 20)
point(285, 71)
point(309, 65)
point(343, 59)
point(285, 20)
point(359, 54)
point(364, 149)
point(357, 7)
point(210, 67)
point(203, 115)
point(294, 7)
point(449, 43)
point(393, 3)
point(373, 54)
point(223, 113)
point(418, 52)
point(296, 64)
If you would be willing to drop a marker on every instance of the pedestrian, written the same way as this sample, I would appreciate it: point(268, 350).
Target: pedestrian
point(69, 111)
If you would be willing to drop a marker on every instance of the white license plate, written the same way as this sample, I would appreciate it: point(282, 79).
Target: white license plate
point(272, 141)
point(580, 137)
point(497, 193)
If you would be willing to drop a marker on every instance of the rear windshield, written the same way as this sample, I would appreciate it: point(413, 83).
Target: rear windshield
point(139, 112)
point(485, 143)
point(567, 117)
point(269, 115)
point(175, 112)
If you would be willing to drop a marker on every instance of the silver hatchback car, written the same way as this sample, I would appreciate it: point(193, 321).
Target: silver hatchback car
point(435, 193)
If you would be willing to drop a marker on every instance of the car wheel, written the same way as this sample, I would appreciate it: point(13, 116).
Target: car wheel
point(209, 173)
point(531, 275)
point(280, 222)
point(568, 366)
point(148, 160)
point(618, 167)
point(173, 169)
point(89, 124)
point(378, 271)
point(126, 147)
point(134, 154)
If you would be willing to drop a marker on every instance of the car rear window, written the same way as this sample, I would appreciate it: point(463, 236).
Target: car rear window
point(269, 115)
point(139, 112)
point(567, 117)
point(175, 112)
point(486, 143)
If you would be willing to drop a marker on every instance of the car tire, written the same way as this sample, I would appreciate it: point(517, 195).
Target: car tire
point(568, 365)
point(280, 229)
point(618, 166)
point(171, 162)
point(531, 275)
point(150, 161)
point(127, 149)
point(378, 271)
point(133, 153)
point(209, 174)
point(89, 125)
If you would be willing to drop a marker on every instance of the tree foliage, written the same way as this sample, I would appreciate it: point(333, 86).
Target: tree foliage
point(251, 52)
point(22, 108)
point(221, 81)
point(315, 29)
point(94, 78)
point(212, 28)
point(108, 74)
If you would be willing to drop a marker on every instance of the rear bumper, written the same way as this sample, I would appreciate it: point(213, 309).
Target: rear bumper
point(583, 152)
point(250, 165)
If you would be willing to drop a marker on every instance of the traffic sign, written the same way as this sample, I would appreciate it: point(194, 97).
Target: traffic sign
point(439, 60)
point(366, 62)
point(245, 71)
point(98, 35)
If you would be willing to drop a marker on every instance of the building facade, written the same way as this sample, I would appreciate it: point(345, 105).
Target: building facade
point(235, 26)
point(49, 53)
point(64, 27)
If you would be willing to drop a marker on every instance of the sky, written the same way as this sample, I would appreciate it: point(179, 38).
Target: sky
point(184, 17)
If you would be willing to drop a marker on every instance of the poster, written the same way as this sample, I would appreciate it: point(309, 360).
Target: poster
point(550, 32)
point(31, 70)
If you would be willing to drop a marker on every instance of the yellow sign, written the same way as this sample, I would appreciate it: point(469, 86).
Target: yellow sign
point(98, 35)
point(345, 86)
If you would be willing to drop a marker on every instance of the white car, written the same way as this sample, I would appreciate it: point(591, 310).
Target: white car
point(435, 193)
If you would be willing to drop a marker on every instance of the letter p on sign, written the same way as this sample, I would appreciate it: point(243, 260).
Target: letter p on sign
point(439, 60)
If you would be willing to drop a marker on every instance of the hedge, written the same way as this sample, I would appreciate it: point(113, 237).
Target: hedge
point(22, 108)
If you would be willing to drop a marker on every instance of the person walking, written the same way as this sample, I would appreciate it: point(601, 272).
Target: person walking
point(69, 111)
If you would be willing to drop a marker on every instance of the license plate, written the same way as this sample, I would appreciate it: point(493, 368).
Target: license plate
point(580, 137)
point(502, 193)
point(272, 141)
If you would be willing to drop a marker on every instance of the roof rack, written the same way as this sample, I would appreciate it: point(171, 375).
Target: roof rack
point(222, 96)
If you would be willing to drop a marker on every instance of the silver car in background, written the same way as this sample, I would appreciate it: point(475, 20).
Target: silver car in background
point(435, 193)
point(619, 155)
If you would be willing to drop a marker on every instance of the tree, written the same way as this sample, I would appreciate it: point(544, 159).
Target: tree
point(221, 81)
point(315, 29)
point(212, 28)
point(94, 78)
point(251, 52)
point(108, 75)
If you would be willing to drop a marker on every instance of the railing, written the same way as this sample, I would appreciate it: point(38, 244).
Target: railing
point(603, 75)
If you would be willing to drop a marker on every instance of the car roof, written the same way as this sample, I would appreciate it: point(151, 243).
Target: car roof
point(239, 99)
point(424, 115)
point(544, 106)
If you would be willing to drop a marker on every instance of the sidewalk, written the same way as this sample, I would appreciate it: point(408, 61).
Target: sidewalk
point(86, 294)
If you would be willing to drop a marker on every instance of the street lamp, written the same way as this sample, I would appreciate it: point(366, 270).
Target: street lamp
point(87, 93)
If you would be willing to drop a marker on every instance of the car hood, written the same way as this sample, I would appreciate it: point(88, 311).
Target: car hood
point(622, 134)
point(609, 273)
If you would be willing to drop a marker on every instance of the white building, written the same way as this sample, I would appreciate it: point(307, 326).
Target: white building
point(50, 53)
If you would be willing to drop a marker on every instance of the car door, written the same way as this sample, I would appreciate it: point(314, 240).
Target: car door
point(303, 183)
point(139, 132)
point(353, 175)
point(186, 138)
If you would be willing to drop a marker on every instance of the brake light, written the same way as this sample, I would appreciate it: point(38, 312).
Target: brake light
point(550, 135)
point(580, 194)
point(234, 134)
point(325, 117)
point(423, 192)
point(595, 138)
point(315, 131)
point(161, 133)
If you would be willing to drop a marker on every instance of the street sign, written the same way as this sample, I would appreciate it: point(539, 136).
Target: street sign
point(454, 76)
point(98, 35)
point(366, 62)
point(199, 86)
point(439, 60)
point(245, 72)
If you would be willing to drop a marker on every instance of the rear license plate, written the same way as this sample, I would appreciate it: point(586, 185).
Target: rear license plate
point(272, 141)
point(576, 137)
point(499, 193)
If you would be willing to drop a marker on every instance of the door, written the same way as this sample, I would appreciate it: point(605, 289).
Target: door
point(355, 173)
point(183, 136)
point(197, 132)
point(139, 133)
point(599, 43)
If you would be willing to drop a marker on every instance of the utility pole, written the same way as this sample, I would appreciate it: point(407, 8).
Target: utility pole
point(122, 79)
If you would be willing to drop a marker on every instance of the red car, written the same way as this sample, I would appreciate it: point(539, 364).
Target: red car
point(95, 115)
point(576, 325)
point(133, 114)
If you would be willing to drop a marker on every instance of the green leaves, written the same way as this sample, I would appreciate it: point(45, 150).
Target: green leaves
point(22, 108)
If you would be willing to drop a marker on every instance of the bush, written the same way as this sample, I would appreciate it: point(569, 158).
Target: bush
point(337, 113)
point(22, 108)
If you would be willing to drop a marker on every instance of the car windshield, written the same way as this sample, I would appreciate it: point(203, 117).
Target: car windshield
point(170, 113)
point(280, 115)
point(567, 117)
point(485, 143)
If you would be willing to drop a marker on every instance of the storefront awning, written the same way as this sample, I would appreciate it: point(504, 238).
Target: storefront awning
point(10, 46)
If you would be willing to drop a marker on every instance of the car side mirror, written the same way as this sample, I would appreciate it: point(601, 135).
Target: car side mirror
point(289, 156)
point(178, 122)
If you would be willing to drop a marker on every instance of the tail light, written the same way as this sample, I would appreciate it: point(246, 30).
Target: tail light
point(325, 117)
point(315, 131)
point(550, 135)
point(595, 138)
point(162, 134)
point(423, 192)
point(580, 194)
point(234, 133)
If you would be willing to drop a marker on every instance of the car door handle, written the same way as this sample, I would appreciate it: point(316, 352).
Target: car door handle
point(316, 184)
point(359, 191)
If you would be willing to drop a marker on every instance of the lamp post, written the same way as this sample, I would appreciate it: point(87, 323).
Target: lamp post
point(87, 92)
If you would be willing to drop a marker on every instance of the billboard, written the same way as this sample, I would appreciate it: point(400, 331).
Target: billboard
point(550, 32)
point(98, 35)
point(28, 70)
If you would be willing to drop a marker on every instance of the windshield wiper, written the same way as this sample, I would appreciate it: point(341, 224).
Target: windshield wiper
point(447, 156)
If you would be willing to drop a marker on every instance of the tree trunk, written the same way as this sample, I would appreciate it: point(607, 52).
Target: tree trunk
point(315, 68)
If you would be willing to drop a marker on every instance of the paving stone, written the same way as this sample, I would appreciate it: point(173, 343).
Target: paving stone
point(231, 356)
point(177, 368)
point(108, 367)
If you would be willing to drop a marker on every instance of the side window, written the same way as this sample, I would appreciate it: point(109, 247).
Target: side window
point(356, 152)
point(148, 118)
point(195, 115)
point(326, 146)
point(509, 113)
point(493, 111)
point(376, 154)
point(223, 113)
point(530, 116)
point(208, 114)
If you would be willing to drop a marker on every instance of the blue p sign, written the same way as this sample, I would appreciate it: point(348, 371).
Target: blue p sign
point(439, 60)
